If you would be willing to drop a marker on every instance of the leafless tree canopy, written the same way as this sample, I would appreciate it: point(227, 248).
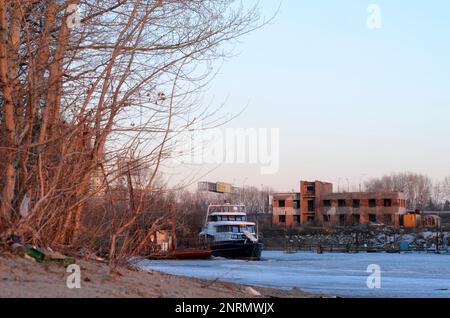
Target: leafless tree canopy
point(420, 190)
point(81, 91)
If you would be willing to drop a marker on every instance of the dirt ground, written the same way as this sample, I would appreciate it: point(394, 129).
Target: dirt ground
point(21, 277)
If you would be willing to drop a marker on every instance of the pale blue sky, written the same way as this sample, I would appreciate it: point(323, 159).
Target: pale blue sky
point(348, 100)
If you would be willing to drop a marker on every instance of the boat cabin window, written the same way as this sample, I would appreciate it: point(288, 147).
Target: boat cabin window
point(234, 229)
point(215, 218)
point(228, 228)
point(222, 229)
point(250, 229)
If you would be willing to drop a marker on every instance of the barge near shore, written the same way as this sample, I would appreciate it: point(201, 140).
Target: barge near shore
point(182, 254)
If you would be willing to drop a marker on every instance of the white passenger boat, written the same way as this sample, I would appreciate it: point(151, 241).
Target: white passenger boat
point(230, 234)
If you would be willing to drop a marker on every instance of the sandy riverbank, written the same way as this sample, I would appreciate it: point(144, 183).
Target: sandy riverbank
point(20, 277)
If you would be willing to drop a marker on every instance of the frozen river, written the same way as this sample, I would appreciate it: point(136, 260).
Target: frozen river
point(402, 275)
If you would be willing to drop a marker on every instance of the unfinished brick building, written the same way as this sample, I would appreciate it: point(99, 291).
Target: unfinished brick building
point(319, 205)
point(286, 208)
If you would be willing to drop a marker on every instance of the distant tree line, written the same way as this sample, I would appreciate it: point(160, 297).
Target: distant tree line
point(421, 191)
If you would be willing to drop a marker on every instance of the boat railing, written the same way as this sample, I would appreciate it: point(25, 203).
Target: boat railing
point(226, 208)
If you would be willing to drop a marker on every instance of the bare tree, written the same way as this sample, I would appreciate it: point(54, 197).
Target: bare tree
point(76, 95)
point(256, 199)
point(417, 188)
point(446, 188)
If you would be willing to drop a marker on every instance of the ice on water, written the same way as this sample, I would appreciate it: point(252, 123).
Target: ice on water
point(402, 275)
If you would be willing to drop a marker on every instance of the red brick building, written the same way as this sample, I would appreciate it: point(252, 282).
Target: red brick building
point(319, 205)
point(310, 199)
point(286, 208)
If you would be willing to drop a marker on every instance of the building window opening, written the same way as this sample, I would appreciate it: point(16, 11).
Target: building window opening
point(311, 189)
point(387, 203)
point(281, 203)
point(356, 219)
point(326, 218)
point(327, 203)
point(373, 218)
point(372, 203)
point(296, 204)
point(282, 218)
point(311, 206)
point(341, 203)
point(356, 204)
point(297, 219)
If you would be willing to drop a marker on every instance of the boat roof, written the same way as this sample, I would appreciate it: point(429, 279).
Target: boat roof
point(234, 223)
point(229, 213)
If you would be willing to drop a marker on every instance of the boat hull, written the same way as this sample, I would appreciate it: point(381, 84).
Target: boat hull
point(186, 254)
point(239, 250)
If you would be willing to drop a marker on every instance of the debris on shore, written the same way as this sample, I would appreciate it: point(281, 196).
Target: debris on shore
point(352, 238)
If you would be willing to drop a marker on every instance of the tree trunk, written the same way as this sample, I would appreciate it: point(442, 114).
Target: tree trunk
point(8, 120)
